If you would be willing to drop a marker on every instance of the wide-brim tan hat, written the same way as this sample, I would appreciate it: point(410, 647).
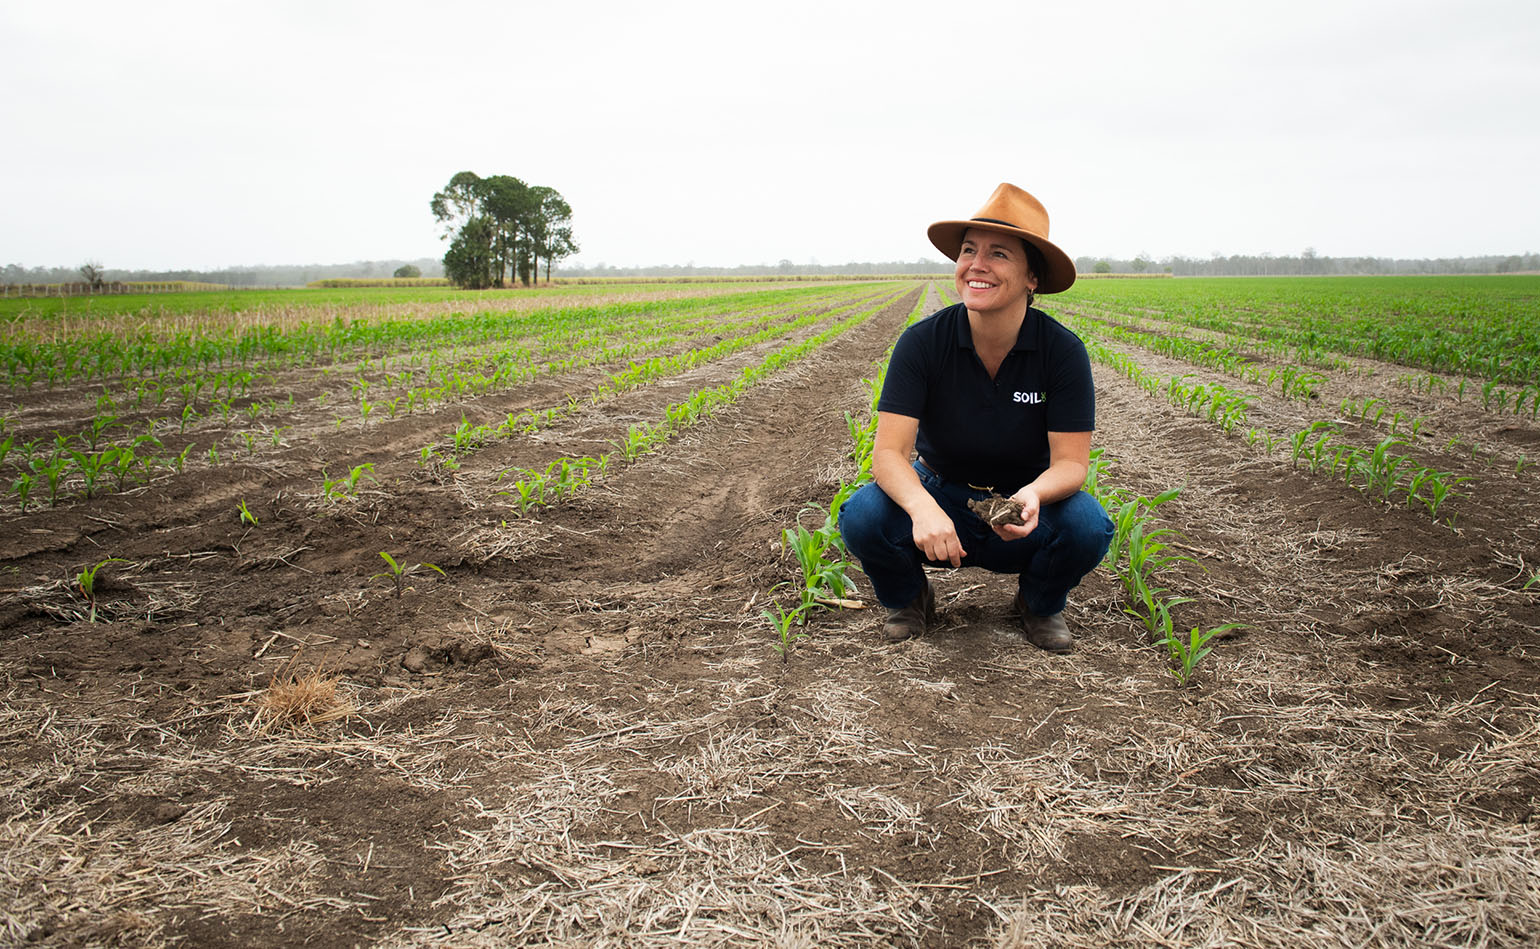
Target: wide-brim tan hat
point(1011, 210)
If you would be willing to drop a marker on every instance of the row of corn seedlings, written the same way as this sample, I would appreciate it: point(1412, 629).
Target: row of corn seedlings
point(467, 438)
point(1293, 381)
point(558, 351)
point(1231, 349)
point(1223, 406)
point(1379, 468)
point(1303, 384)
point(1474, 326)
point(1139, 552)
point(823, 563)
point(564, 477)
point(79, 464)
point(195, 392)
point(1376, 411)
point(1495, 397)
point(53, 470)
point(118, 353)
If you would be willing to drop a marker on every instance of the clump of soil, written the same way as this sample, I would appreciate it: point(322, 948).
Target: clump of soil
point(433, 656)
point(997, 510)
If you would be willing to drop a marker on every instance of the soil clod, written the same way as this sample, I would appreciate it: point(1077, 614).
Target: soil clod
point(997, 510)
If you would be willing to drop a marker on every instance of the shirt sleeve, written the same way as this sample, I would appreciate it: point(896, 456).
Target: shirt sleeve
point(905, 386)
point(1072, 398)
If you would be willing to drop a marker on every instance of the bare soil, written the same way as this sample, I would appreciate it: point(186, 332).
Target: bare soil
point(579, 732)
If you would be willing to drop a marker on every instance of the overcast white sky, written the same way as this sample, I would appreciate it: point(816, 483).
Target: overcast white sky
point(208, 134)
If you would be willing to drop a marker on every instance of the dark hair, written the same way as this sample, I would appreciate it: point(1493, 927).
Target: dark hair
point(1035, 261)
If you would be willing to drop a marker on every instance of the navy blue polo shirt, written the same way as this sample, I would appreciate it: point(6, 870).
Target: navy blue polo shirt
point(983, 431)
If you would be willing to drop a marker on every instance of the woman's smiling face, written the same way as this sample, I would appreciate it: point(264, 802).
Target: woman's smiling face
point(992, 272)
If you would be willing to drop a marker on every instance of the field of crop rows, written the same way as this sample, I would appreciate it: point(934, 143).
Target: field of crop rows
point(419, 618)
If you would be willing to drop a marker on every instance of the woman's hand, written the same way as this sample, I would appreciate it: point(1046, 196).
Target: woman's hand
point(1030, 505)
point(936, 536)
point(934, 533)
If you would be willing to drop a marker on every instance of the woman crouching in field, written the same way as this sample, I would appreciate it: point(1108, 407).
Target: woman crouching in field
point(997, 397)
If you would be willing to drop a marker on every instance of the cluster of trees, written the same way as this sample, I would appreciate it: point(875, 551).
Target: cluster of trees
point(1308, 263)
point(501, 227)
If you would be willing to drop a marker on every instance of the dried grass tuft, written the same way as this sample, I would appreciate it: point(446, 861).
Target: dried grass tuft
point(300, 703)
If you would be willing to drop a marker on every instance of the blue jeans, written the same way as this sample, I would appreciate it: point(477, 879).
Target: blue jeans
point(1070, 539)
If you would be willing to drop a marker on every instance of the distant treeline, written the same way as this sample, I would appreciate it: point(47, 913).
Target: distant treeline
point(1308, 264)
point(785, 267)
point(1235, 265)
point(291, 275)
point(81, 288)
point(333, 283)
point(616, 278)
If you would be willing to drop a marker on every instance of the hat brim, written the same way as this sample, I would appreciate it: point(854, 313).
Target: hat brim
point(1060, 276)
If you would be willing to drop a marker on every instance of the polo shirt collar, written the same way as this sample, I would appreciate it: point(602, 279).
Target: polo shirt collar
point(1026, 337)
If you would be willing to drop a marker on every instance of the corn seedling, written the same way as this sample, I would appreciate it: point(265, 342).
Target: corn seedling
point(91, 466)
point(99, 424)
point(1152, 607)
point(1440, 487)
point(246, 516)
point(23, 488)
point(1312, 443)
point(85, 581)
point(398, 573)
point(821, 576)
point(1186, 652)
point(1383, 469)
point(52, 472)
point(1128, 516)
point(346, 487)
point(1145, 555)
point(782, 622)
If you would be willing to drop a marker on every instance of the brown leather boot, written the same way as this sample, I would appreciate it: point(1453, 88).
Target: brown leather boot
point(1048, 633)
point(911, 620)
